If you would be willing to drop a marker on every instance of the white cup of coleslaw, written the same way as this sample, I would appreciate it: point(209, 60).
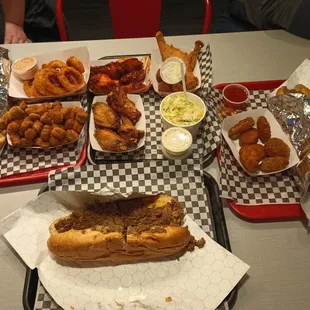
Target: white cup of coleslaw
point(193, 127)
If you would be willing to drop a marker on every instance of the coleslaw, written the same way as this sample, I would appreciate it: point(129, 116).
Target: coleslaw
point(182, 112)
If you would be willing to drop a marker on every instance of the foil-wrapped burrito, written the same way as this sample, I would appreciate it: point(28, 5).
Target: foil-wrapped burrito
point(292, 111)
point(5, 68)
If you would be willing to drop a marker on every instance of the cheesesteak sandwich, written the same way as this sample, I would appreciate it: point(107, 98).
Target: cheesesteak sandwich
point(122, 231)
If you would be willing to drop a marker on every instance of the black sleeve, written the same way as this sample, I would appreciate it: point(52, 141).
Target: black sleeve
point(2, 25)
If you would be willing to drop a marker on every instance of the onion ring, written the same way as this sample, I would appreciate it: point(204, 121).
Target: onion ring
point(71, 79)
point(52, 84)
point(75, 63)
point(56, 64)
point(38, 82)
point(30, 90)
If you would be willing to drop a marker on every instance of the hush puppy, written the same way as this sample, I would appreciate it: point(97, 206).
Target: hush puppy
point(251, 156)
point(263, 129)
point(248, 137)
point(276, 147)
point(273, 164)
point(242, 126)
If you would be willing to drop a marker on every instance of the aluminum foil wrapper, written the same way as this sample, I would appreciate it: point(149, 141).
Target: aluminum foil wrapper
point(5, 69)
point(292, 111)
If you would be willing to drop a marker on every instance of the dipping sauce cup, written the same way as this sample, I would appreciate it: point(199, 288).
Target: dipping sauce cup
point(236, 96)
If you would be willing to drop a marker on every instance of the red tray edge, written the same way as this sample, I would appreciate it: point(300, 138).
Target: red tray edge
point(37, 176)
point(262, 212)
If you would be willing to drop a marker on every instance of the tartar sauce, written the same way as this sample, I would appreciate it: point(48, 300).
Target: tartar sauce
point(170, 70)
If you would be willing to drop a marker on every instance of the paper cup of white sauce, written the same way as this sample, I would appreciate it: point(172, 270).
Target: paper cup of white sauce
point(192, 127)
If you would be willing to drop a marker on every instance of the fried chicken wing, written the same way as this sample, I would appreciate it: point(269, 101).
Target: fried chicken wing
point(110, 141)
point(113, 70)
point(102, 83)
point(248, 137)
point(164, 87)
point(132, 77)
point(130, 133)
point(105, 117)
point(273, 164)
point(263, 129)
point(120, 103)
point(277, 147)
point(131, 64)
point(242, 126)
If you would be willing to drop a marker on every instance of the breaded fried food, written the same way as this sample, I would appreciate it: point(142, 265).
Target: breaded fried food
point(242, 126)
point(69, 123)
point(27, 123)
point(251, 156)
point(59, 133)
point(263, 129)
point(37, 126)
point(105, 116)
point(248, 137)
point(13, 127)
point(15, 139)
point(109, 140)
point(77, 126)
point(47, 118)
point(282, 90)
point(81, 116)
point(273, 164)
point(34, 116)
point(54, 141)
point(23, 105)
point(277, 147)
point(26, 143)
point(17, 113)
point(72, 135)
point(30, 134)
point(57, 117)
point(164, 87)
point(40, 143)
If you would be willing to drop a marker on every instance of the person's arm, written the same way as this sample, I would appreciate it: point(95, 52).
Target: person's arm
point(14, 11)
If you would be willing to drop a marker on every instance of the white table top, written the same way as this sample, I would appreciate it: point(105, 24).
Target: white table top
point(278, 253)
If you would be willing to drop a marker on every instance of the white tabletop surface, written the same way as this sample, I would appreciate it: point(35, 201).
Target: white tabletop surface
point(278, 253)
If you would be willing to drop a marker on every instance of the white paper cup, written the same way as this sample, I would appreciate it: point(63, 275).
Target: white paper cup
point(193, 128)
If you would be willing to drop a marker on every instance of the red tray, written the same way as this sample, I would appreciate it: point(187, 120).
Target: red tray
point(37, 176)
point(263, 212)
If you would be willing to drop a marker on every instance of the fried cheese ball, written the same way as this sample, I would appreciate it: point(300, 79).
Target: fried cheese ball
point(54, 141)
point(40, 143)
point(273, 164)
point(25, 142)
point(59, 133)
point(23, 105)
point(242, 126)
point(57, 117)
point(72, 135)
point(248, 137)
point(27, 123)
point(34, 116)
point(70, 114)
point(45, 134)
point(17, 113)
point(41, 110)
point(47, 105)
point(47, 118)
point(277, 147)
point(263, 129)
point(81, 116)
point(30, 134)
point(251, 156)
point(64, 112)
point(32, 109)
point(69, 123)
point(56, 106)
point(77, 126)
point(37, 126)
point(13, 127)
point(2, 124)
point(15, 139)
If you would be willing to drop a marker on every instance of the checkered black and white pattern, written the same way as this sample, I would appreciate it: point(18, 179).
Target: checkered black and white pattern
point(244, 189)
point(151, 101)
point(15, 160)
point(44, 300)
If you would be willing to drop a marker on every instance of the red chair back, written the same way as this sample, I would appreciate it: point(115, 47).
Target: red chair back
point(135, 18)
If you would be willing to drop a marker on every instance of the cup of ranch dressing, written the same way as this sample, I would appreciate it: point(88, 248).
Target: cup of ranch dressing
point(176, 143)
point(170, 70)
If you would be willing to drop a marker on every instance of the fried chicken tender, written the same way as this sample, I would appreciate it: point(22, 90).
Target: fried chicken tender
point(242, 126)
point(109, 140)
point(15, 139)
point(273, 164)
point(34, 116)
point(13, 127)
point(59, 133)
point(277, 147)
point(263, 129)
point(248, 137)
point(26, 143)
point(26, 124)
point(17, 113)
point(72, 135)
point(250, 157)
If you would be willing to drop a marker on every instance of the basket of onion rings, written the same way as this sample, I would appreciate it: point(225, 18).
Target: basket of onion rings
point(53, 75)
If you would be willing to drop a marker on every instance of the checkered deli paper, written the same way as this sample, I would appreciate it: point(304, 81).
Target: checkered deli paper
point(151, 101)
point(15, 160)
point(236, 184)
point(197, 280)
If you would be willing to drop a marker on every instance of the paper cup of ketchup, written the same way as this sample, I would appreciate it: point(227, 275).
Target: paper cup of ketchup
point(235, 96)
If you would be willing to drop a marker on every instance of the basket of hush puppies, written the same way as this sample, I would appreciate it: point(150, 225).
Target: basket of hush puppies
point(258, 142)
point(44, 125)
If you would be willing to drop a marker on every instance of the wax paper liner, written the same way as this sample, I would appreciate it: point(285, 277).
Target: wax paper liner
point(198, 280)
